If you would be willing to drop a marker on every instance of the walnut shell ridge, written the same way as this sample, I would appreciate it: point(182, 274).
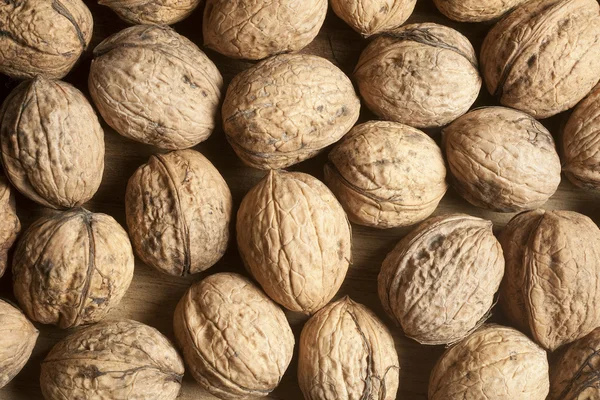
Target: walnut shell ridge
point(476, 10)
point(152, 85)
point(370, 17)
point(10, 226)
point(236, 341)
point(120, 359)
point(386, 174)
point(178, 209)
point(295, 239)
point(287, 109)
point(162, 12)
point(72, 268)
point(346, 353)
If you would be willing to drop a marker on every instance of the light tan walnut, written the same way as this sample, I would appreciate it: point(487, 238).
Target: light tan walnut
point(476, 10)
point(370, 17)
point(10, 226)
point(163, 12)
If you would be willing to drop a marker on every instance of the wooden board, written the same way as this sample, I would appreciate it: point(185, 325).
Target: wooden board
point(152, 296)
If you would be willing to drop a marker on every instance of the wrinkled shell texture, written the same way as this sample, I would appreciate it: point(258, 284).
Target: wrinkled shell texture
point(155, 86)
point(178, 211)
point(72, 268)
point(476, 10)
point(52, 143)
point(440, 280)
point(10, 226)
point(43, 37)
point(543, 57)
point(17, 340)
point(121, 359)
point(369, 17)
point(236, 342)
point(495, 362)
point(346, 353)
point(256, 29)
point(287, 109)
point(162, 12)
point(422, 75)
point(387, 174)
point(502, 159)
point(551, 287)
point(295, 239)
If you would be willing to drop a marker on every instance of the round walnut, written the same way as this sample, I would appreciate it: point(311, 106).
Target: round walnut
point(295, 239)
point(440, 280)
point(422, 75)
point(120, 359)
point(387, 174)
point(43, 37)
point(52, 143)
point(154, 86)
point(502, 159)
point(162, 12)
point(347, 353)
point(178, 210)
point(370, 17)
point(476, 10)
point(551, 289)
point(10, 226)
point(72, 268)
point(254, 30)
point(543, 57)
point(287, 109)
point(495, 362)
point(236, 342)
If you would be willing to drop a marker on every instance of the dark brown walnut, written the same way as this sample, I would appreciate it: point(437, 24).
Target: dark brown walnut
point(72, 268)
point(387, 174)
point(502, 159)
point(422, 75)
point(370, 17)
point(254, 30)
point(120, 359)
point(295, 239)
point(543, 57)
point(476, 10)
point(287, 109)
point(52, 143)
point(178, 211)
point(10, 226)
point(163, 12)
point(43, 37)
point(347, 353)
point(495, 362)
point(440, 280)
point(236, 342)
point(155, 86)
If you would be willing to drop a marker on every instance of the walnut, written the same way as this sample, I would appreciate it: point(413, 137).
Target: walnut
point(164, 12)
point(346, 353)
point(495, 362)
point(551, 288)
point(251, 29)
point(502, 159)
point(543, 57)
point(370, 17)
point(387, 174)
point(72, 268)
point(178, 211)
point(120, 359)
point(287, 109)
point(476, 10)
point(295, 239)
point(154, 86)
point(52, 143)
point(439, 281)
point(422, 75)
point(10, 226)
point(236, 342)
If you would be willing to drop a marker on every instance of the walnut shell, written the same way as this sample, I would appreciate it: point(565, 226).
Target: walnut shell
point(370, 17)
point(162, 12)
point(43, 37)
point(154, 86)
point(236, 342)
point(253, 30)
point(551, 288)
point(295, 239)
point(17, 340)
point(502, 159)
point(52, 143)
point(476, 10)
point(495, 362)
point(346, 353)
point(387, 174)
point(422, 75)
point(287, 109)
point(120, 359)
point(72, 268)
point(10, 226)
point(178, 210)
point(543, 57)
point(440, 280)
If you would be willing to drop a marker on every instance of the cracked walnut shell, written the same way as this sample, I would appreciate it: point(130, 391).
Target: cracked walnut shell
point(10, 226)
point(476, 10)
point(161, 12)
point(370, 17)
